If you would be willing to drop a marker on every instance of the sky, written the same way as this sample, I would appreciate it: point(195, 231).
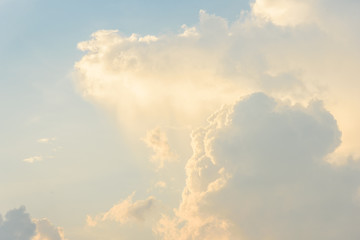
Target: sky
point(226, 120)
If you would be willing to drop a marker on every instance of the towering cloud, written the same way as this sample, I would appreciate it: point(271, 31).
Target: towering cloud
point(292, 50)
point(260, 168)
point(257, 172)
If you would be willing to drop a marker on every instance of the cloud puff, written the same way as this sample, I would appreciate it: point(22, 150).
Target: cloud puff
point(257, 172)
point(157, 140)
point(126, 211)
point(17, 225)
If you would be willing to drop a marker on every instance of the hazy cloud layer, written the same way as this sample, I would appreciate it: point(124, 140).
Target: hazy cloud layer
point(257, 172)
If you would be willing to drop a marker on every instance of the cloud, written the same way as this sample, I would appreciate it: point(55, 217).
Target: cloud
point(257, 172)
point(309, 51)
point(258, 168)
point(163, 82)
point(33, 159)
point(126, 211)
point(37, 158)
point(17, 225)
point(46, 140)
point(45, 230)
point(157, 140)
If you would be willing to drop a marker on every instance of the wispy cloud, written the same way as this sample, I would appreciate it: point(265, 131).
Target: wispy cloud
point(33, 159)
point(46, 140)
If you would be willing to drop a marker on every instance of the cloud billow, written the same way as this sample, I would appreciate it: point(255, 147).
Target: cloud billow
point(258, 172)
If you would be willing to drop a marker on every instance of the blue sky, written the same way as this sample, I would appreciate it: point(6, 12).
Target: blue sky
point(104, 134)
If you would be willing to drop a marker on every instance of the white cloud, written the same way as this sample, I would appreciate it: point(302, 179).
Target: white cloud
point(126, 211)
point(157, 140)
point(257, 172)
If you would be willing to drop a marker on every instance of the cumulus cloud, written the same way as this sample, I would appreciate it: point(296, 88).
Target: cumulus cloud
point(157, 140)
point(126, 211)
point(17, 225)
point(257, 172)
